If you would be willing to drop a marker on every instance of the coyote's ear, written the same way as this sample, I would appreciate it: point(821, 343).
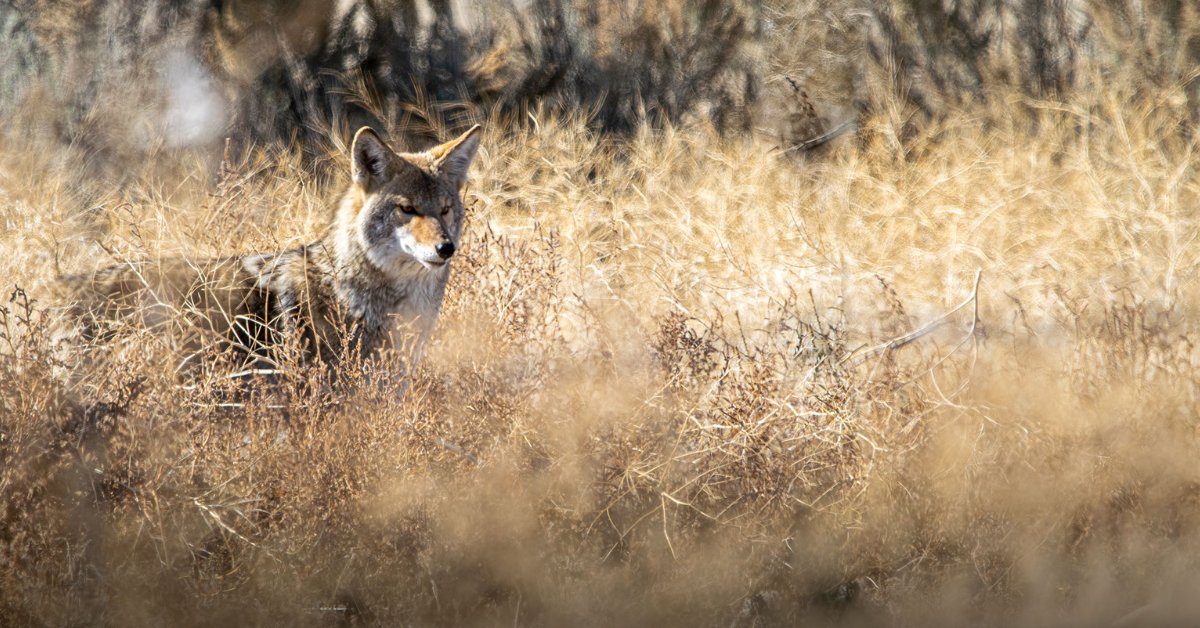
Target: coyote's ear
point(371, 158)
point(454, 157)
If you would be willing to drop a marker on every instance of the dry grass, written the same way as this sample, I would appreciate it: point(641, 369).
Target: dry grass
point(656, 393)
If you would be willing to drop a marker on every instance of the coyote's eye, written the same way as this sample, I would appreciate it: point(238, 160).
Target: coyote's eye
point(409, 209)
point(445, 210)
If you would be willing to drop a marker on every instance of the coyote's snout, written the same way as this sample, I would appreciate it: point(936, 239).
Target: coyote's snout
point(383, 262)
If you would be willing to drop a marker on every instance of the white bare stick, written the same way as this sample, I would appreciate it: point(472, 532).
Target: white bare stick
point(924, 330)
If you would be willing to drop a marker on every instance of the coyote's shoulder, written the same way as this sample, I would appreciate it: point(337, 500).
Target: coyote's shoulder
point(383, 262)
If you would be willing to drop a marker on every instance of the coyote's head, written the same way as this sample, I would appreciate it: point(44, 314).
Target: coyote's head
point(406, 206)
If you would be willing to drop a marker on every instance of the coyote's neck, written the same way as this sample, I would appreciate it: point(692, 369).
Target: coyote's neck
point(374, 294)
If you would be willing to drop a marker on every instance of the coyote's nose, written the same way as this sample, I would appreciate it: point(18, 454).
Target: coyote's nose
point(445, 250)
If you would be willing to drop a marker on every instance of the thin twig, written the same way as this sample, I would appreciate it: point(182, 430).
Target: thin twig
point(924, 330)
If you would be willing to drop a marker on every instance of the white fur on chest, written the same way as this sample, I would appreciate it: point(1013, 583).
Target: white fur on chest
point(411, 298)
point(423, 298)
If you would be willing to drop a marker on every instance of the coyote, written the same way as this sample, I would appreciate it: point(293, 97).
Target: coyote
point(382, 264)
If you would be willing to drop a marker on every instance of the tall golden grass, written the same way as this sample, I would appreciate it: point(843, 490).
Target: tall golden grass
point(676, 381)
point(661, 390)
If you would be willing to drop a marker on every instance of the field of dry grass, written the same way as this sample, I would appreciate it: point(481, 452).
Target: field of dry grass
point(675, 382)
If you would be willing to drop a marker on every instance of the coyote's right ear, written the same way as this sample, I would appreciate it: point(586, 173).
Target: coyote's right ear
point(454, 157)
point(371, 158)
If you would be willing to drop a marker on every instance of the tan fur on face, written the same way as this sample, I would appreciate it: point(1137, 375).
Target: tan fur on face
point(426, 230)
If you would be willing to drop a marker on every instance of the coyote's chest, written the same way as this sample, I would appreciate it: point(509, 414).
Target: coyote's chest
point(328, 302)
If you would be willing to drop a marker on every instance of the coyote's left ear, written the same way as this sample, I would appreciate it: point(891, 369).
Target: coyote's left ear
point(454, 157)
